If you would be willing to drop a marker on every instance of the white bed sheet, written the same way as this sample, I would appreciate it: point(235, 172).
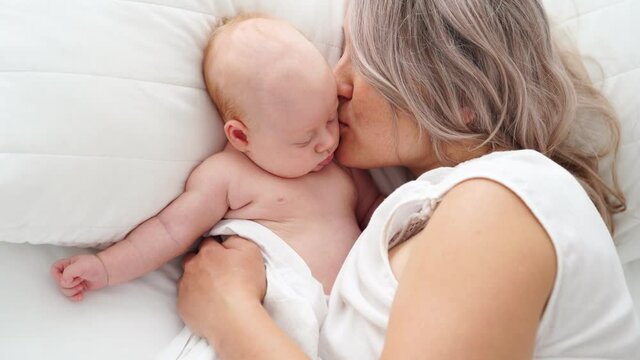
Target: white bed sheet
point(130, 321)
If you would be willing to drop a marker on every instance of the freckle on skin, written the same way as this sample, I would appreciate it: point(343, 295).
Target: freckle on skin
point(281, 200)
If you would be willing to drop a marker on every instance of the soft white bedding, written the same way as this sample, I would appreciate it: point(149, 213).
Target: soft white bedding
point(132, 321)
point(103, 114)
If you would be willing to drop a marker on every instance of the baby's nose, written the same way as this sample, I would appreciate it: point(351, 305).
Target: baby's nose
point(326, 143)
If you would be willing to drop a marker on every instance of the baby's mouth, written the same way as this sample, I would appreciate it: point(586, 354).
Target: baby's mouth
point(328, 160)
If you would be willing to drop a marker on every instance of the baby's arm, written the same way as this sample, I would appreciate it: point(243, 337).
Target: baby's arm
point(155, 241)
point(369, 197)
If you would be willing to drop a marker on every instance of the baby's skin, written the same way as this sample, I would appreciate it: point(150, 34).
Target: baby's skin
point(277, 168)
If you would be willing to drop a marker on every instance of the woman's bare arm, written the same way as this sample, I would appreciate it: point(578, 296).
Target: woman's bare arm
point(475, 282)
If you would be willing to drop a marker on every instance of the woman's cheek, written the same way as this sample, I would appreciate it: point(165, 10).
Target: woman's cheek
point(344, 153)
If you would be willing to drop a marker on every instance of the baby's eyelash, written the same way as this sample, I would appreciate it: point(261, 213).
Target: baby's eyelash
point(303, 144)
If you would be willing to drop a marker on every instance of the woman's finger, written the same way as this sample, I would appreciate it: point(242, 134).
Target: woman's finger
point(239, 243)
point(208, 248)
point(187, 257)
point(209, 243)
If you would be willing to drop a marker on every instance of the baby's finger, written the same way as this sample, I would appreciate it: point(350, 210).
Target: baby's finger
point(70, 292)
point(72, 276)
point(58, 268)
point(69, 281)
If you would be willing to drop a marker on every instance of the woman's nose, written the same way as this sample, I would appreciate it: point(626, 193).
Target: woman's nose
point(345, 90)
point(343, 78)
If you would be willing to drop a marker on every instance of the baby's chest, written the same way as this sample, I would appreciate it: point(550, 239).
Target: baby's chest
point(328, 191)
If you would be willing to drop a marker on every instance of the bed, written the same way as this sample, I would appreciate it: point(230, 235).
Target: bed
point(103, 114)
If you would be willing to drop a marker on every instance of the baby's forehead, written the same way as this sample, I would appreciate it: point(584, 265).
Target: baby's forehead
point(299, 120)
point(270, 65)
point(272, 41)
point(267, 48)
point(269, 36)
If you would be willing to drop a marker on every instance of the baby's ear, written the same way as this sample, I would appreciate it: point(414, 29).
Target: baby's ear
point(236, 133)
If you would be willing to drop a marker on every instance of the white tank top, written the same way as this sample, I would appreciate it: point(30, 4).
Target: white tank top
point(590, 313)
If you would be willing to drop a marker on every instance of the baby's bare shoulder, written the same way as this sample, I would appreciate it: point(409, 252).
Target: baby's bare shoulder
point(219, 168)
point(222, 160)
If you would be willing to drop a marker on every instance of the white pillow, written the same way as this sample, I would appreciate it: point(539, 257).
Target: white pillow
point(104, 111)
point(605, 31)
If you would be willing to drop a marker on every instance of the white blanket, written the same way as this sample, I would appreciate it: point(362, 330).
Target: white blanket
point(294, 299)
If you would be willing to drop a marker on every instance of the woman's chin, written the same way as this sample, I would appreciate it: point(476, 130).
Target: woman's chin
point(342, 157)
point(345, 158)
point(354, 159)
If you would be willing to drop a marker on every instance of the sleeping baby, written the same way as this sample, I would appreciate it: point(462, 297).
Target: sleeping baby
point(275, 178)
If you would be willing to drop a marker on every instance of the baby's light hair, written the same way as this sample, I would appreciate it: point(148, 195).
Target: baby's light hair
point(227, 107)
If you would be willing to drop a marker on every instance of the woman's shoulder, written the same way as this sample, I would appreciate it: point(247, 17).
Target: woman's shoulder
point(526, 166)
point(480, 243)
point(527, 174)
point(530, 190)
point(490, 209)
point(552, 194)
point(540, 208)
point(524, 160)
point(530, 178)
point(553, 197)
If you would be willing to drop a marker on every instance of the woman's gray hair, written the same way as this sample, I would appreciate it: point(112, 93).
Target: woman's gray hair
point(486, 72)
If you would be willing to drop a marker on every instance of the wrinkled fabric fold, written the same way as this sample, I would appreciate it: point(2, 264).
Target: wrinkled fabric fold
point(294, 298)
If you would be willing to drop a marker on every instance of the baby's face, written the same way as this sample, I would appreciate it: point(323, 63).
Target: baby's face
point(286, 93)
point(296, 126)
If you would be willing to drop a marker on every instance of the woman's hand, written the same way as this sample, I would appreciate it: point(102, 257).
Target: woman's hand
point(220, 284)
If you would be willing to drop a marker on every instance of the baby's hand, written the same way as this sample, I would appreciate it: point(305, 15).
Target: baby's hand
point(78, 274)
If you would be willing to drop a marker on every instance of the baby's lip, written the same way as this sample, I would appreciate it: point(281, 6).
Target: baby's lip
point(327, 161)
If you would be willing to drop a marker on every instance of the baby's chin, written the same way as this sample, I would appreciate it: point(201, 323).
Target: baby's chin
point(321, 167)
point(294, 174)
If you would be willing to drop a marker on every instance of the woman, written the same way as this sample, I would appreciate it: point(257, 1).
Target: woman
point(494, 252)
